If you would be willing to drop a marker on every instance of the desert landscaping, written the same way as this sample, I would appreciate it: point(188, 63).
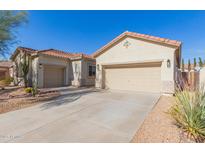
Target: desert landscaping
point(15, 98)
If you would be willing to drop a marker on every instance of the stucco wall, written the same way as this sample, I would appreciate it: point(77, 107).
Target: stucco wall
point(35, 71)
point(86, 79)
point(80, 73)
point(139, 51)
point(50, 60)
point(76, 70)
point(17, 70)
point(16, 62)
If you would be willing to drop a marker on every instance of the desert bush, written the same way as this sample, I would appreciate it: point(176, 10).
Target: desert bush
point(189, 112)
point(28, 90)
point(6, 81)
point(31, 90)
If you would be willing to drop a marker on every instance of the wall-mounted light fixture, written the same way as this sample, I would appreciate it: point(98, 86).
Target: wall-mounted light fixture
point(40, 65)
point(168, 63)
point(98, 67)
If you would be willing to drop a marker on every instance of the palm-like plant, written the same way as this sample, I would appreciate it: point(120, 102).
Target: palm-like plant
point(194, 62)
point(182, 65)
point(189, 112)
point(200, 62)
point(189, 65)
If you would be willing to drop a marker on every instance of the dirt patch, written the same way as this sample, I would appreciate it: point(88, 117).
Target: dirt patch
point(159, 127)
point(17, 99)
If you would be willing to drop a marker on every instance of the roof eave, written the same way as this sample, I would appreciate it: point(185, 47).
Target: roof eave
point(43, 54)
point(123, 35)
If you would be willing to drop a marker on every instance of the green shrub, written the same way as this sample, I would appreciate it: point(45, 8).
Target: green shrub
point(189, 112)
point(28, 90)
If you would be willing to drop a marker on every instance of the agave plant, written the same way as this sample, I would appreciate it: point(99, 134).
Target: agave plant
point(189, 112)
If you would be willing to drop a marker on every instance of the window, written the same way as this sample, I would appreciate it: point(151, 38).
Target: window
point(91, 70)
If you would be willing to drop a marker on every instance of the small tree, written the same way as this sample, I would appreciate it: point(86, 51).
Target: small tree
point(25, 69)
point(182, 66)
point(9, 22)
point(189, 65)
point(200, 62)
point(194, 62)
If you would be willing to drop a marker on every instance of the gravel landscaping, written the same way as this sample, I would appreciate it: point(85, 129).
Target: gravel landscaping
point(159, 127)
point(14, 98)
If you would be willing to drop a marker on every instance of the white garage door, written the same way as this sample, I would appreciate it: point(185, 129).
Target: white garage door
point(144, 78)
point(53, 76)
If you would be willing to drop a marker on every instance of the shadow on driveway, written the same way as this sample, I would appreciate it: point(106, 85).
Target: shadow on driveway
point(68, 97)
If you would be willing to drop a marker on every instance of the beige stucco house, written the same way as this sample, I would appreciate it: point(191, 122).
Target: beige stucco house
point(54, 68)
point(138, 62)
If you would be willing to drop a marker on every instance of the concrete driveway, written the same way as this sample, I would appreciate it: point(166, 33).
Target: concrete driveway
point(80, 115)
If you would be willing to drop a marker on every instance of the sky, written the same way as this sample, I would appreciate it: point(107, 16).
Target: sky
point(87, 31)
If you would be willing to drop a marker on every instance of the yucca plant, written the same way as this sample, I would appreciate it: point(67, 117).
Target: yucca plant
point(189, 112)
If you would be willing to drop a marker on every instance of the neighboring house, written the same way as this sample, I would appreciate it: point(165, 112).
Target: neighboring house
point(202, 76)
point(138, 62)
point(54, 68)
point(6, 69)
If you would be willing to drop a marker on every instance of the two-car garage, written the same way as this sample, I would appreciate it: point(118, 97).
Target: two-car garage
point(144, 77)
point(138, 62)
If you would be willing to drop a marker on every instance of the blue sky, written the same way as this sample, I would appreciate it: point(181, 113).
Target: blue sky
point(86, 31)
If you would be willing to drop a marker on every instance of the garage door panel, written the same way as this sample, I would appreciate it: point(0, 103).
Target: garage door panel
point(133, 78)
point(53, 76)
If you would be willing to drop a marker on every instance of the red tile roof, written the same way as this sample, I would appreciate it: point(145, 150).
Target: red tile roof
point(165, 41)
point(27, 49)
point(7, 64)
point(62, 54)
point(53, 52)
point(56, 53)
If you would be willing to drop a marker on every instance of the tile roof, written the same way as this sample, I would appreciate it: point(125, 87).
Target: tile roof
point(53, 52)
point(140, 36)
point(56, 53)
point(6, 64)
point(27, 49)
point(62, 54)
point(81, 55)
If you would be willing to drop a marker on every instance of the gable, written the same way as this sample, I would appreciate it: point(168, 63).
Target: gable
point(147, 38)
point(130, 49)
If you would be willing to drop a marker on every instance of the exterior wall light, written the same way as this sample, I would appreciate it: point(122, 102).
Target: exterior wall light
point(168, 63)
point(98, 67)
point(40, 65)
